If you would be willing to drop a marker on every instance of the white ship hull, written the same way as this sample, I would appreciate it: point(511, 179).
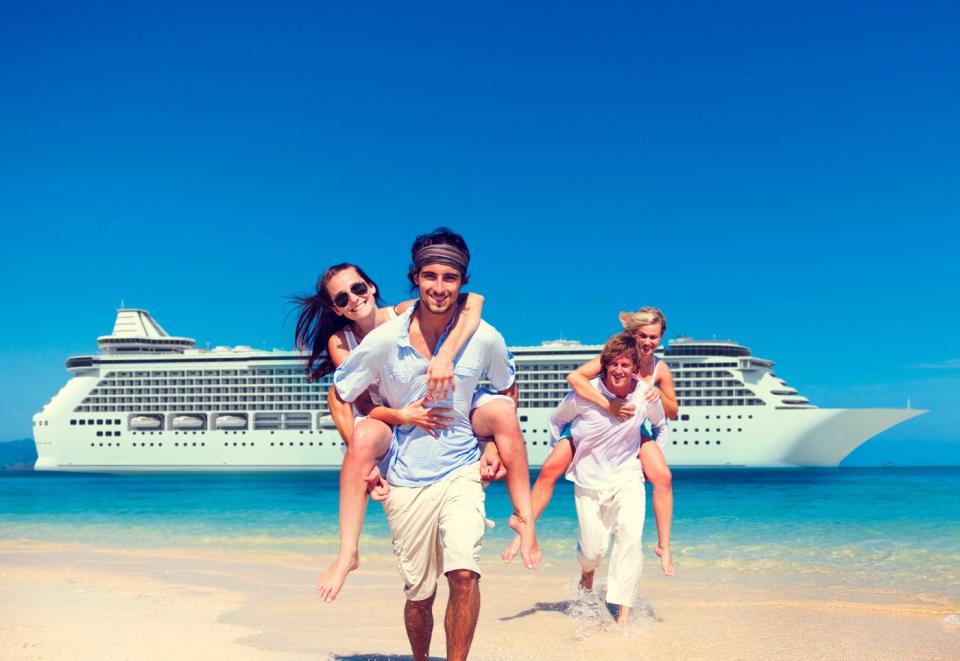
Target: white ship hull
point(151, 402)
point(803, 437)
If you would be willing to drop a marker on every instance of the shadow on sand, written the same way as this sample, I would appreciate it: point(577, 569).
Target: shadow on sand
point(543, 606)
point(575, 608)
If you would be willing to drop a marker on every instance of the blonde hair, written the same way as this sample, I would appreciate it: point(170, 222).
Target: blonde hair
point(643, 317)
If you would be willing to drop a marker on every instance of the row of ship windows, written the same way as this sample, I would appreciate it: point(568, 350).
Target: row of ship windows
point(720, 392)
point(708, 383)
point(201, 398)
point(720, 402)
point(120, 390)
point(98, 421)
point(159, 444)
point(204, 373)
point(242, 401)
point(739, 429)
point(313, 391)
point(211, 381)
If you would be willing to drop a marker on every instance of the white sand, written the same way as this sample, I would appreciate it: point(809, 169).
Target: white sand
point(77, 602)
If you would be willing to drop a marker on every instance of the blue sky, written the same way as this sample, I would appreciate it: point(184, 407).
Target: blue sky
point(785, 176)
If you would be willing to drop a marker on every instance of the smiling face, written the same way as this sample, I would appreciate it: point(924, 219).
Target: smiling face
point(619, 373)
point(439, 287)
point(348, 282)
point(648, 338)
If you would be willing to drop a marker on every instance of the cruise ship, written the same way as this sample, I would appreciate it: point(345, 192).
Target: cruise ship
point(149, 401)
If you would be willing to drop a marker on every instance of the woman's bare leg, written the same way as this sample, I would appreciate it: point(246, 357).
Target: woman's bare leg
point(553, 468)
point(498, 418)
point(656, 470)
point(371, 440)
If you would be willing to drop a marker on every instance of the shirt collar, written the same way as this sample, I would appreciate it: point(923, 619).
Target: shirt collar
point(407, 317)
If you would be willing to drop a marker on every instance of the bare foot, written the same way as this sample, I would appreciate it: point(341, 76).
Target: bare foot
point(529, 547)
point(666, 559)
point(586, 581)
point(510, 551)
point(328, 587)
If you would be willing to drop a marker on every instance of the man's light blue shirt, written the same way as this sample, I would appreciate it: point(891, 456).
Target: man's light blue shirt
point(415, 458)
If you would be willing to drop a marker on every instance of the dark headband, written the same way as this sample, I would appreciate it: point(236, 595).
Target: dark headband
point(442, 253)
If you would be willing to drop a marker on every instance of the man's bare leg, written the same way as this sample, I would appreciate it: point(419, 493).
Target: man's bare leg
point(418, 619)
point(553, 468)
point(463, 607)
point(656, 470)
point(371, 439)
point(623, 614)
point(499, 419)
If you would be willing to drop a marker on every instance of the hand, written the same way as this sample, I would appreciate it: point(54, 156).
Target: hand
point(620, 410)
point(377, 487)
point(491, 467)
point(440, 378)
point(652, 394)
point(430, 419)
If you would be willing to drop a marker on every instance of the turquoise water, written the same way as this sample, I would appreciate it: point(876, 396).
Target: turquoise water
point(897, 528)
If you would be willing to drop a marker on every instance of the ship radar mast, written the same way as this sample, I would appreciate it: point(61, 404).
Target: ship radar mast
point(135, 331)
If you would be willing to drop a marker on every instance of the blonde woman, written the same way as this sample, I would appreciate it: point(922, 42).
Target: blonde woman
point(647, 325)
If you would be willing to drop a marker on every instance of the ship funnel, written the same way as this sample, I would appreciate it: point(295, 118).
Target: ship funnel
point(135, 331)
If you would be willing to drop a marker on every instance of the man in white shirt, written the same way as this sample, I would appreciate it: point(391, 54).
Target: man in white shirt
point(609, 489)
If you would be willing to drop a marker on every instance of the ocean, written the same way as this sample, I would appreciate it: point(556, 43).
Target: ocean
point(896, 528)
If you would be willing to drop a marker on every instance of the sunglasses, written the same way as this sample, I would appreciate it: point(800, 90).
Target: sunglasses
point(357, 288)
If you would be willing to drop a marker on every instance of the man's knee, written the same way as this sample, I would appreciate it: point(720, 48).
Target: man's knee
point(590, 555)
point(422, 604)
point(462, 580)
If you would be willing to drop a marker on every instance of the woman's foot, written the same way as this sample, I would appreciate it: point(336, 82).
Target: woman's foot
point(666, 559)
point(511, 550)
point(328, 587)
point(529, 547)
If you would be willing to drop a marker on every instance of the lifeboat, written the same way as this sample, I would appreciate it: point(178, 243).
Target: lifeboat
point(146, 422)
point(230, 421)
point(188, 422)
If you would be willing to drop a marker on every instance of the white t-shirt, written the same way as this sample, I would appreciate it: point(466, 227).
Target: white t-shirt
point(606, 448)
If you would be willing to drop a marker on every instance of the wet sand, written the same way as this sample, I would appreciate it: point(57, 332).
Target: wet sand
point(60, 601)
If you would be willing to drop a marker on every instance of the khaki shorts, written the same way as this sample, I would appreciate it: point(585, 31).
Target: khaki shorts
point(436, 529)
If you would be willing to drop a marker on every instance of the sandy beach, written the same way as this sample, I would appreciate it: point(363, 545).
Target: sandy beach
point(60, 601)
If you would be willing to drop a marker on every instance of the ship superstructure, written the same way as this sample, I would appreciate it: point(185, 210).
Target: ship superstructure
point(151, 401)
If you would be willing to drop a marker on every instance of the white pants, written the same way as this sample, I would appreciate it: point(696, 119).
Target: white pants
point(618, 511)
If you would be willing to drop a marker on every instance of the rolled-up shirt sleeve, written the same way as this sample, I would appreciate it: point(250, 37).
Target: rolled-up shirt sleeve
point(357, 372)
point(501, 370)
point(565, 412)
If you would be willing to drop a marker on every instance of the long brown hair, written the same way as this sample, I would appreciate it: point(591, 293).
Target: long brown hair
point(318, 322)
